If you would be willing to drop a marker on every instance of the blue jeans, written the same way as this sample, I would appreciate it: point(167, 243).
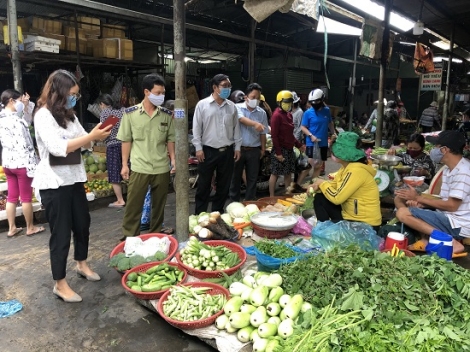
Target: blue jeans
point(436, 219)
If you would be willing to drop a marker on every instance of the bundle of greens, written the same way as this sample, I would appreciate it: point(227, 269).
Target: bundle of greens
point(411, 304)
point(275, 249)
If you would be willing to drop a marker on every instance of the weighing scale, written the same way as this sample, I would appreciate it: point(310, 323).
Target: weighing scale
point(385, 173)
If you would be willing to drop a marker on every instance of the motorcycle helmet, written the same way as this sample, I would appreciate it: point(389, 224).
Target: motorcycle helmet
point(237, 96)
point(296, 97)
point(285, 100)
point(316, 94)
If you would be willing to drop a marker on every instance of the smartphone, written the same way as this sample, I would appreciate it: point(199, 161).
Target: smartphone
point(111, 120)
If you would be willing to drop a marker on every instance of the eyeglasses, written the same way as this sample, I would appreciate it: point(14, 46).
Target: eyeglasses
point(77, 96)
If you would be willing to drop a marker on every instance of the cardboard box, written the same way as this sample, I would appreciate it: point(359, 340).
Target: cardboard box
point(114, 48)
point(69, 31)
point(89, 47)
point(107, 32)
point(24, 23)
point(46, 26)
point(70, 45)
point(57, 37)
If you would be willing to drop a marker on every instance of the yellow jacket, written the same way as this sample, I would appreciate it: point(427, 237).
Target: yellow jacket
point(355, 189)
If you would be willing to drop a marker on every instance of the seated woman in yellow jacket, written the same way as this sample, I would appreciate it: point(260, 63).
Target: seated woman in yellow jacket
point(353, 194)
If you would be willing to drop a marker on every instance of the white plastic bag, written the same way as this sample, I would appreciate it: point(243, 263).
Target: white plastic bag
point(148, 248)
point(316, 155)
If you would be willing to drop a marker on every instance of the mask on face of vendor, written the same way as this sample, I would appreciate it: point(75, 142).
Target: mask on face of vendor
point(286, 106)
point(414, 153)
point(317, 106)
point(436, 155)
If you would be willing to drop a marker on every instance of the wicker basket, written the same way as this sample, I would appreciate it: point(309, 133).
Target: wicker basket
point(270, 233)
point(203, 274)
point(171, 252)
point(202, 323)
point(143, 268)
point(406, 251)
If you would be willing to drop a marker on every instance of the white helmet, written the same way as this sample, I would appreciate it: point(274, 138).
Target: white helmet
point(296, 97)
point(316, 94)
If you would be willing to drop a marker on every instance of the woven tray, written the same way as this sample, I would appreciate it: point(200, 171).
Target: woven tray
point(270, 233)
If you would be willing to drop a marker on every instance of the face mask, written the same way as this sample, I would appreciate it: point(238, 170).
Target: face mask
point(317, 106)
point(252, 103)
point(286, 106)
point(19, 107)
point(225, 93)
point(156, 100)
point(71, 101)
point(414, 153)
point(436, 155)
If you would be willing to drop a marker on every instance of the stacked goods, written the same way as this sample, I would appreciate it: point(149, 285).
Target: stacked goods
point(101, 188)
point(113, 48)
point(123, 263)
point(40, 43)
point(71, 41)
point(156, 278)
point(95, 165)
point(42, 26)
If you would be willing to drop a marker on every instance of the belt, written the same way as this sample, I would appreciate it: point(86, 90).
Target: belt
point(249, 148)
point(223, 149)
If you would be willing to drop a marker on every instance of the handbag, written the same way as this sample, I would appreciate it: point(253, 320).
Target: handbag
point(73, 158)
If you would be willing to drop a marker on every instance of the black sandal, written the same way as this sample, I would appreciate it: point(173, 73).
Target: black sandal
point(168, 230)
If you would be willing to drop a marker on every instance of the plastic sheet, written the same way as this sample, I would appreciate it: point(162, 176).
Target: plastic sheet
point(9, 308)
point(344, 233)
point(302, 227)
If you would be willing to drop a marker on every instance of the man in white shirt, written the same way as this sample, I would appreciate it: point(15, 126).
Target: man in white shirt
point(452, 209)
point(216, 137)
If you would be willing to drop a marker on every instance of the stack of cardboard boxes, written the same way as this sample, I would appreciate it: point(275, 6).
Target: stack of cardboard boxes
point(94, 38)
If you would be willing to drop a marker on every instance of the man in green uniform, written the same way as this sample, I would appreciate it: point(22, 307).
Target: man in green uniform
point(148, 136)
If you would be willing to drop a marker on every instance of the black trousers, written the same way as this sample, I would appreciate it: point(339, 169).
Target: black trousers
point(325, 210)
point(66, 211)
point(249, 161)
point(222, 163)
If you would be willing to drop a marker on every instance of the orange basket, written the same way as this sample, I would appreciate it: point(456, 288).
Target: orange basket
point(196, 324)
point(171, 252)
point(203, 274)
point(271, 234)
point(142, 269)
point(406, 251)
point(272, 200)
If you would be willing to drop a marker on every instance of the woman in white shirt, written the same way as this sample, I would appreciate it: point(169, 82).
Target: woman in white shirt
point(18, 159)
point(60, 176)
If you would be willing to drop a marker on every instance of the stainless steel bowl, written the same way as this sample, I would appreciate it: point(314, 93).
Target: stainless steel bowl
point(385, 159)
point(274, 221)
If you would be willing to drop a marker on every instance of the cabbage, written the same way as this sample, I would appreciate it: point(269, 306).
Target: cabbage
point(252, 209)
point(192, 223)
point(236, 209)
point(238, 221)
point(227, 218)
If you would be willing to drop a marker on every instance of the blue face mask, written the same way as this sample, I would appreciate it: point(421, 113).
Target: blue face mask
point(71, 101)
point(225, 93)
point(436, 155)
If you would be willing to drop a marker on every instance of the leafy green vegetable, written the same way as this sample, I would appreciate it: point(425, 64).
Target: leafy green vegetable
point(409, 304)
point(275, 249)
point(159, 256)
point(113, 262)
point(124, 264)
point(136, 260)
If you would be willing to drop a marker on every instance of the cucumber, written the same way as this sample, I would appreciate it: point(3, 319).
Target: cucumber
point(132, 277)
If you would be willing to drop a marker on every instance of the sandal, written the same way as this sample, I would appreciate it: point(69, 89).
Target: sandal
point(17, 232)
point(168, 230)
point(38, 230)
point(418, 246)
point(459, 255)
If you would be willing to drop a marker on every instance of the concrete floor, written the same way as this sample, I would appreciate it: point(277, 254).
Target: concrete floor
point(108, 319)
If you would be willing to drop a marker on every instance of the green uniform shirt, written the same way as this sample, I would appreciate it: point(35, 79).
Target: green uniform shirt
point(149, 136)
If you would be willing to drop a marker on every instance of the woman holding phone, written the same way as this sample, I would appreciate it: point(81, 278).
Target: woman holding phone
point(113, 146)
point(60, 176)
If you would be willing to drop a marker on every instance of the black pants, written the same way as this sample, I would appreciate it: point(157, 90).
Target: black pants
point(426, 129)
point(325, 210)
point(249, 161)
point(67, 212)
point(222, 163)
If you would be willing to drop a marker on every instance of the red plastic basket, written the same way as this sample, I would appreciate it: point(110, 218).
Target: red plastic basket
point(203, 274)
point(270, 233)
point(143, 268)
point(171, 252)
point(202, 323)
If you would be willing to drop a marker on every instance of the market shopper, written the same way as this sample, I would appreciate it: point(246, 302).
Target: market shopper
point(282, 134)
point(253, 129)
point(415, 157)
point(315, 125)
point(297, 114)
point(113, 147)
point(353, 194)
point(429, 118)
point(19, 161)
point(390, 125)
point(217, 139)
point(451, 212)
point(147, 133)
point(60, 176)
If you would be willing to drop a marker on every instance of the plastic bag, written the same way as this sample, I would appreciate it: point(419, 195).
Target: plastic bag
point(302, 162)
point(302, 227)
point(268, 263)
point(344, 233)
point(9, 308)
point(147, 248)
point(316, 155)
